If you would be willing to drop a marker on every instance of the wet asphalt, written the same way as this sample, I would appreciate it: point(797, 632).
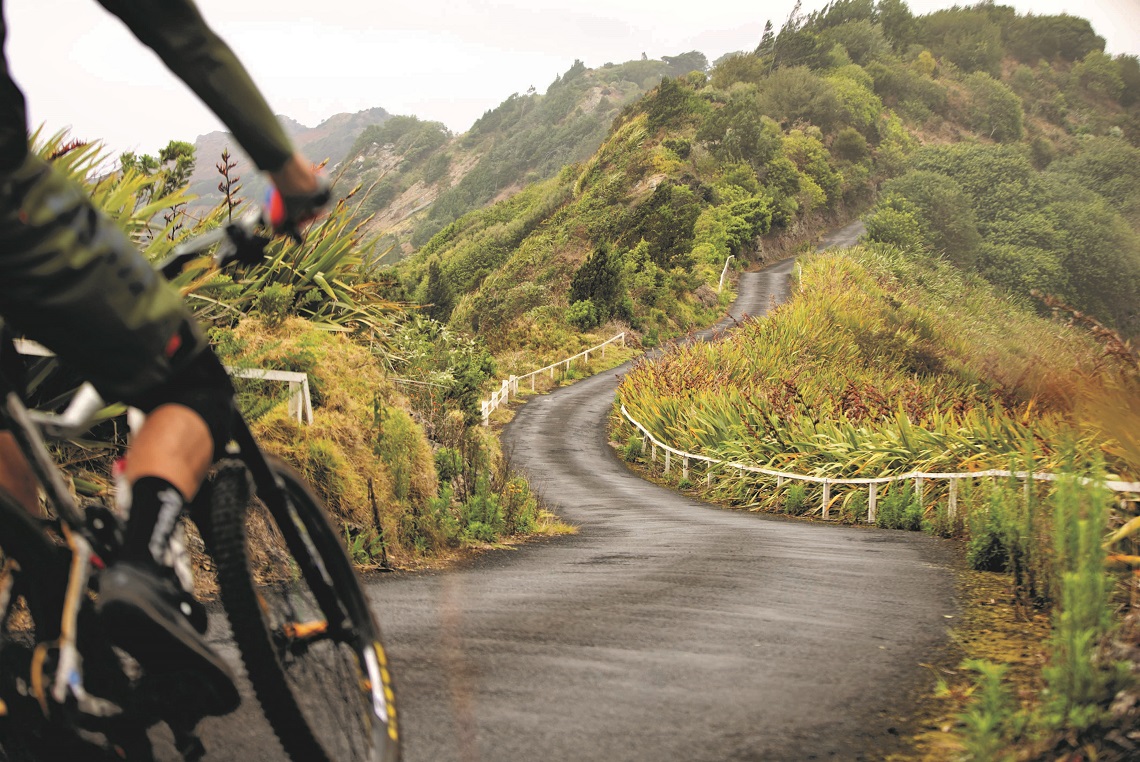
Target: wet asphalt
point(664, 629)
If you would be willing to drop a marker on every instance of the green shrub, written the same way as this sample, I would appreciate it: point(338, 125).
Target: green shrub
point(1079, 684)
point(795, 499)
point(274, 303)
point(941, 523)
point(986, 549)
point(633, 448)
point(854, 508)
point(988, 722)
point(482, 515)
point(900, 508)
point(582, 314)
point(520, 507)
point(448, 464)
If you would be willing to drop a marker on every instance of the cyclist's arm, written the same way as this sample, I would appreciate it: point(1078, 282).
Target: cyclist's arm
point(176, 31)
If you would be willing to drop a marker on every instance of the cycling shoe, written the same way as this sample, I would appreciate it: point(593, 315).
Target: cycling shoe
point(148, 615)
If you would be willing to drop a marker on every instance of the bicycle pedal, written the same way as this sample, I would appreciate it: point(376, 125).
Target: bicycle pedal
point(189, 745)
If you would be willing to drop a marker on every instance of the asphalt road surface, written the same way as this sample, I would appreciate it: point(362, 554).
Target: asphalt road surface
point(665, 629)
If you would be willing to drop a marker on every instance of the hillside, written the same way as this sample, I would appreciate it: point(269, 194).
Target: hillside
point(757, 153)
point(330, 140)
point(1009, 199)
point(419, 177)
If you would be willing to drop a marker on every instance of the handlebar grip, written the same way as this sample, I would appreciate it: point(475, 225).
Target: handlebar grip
point(285, 212)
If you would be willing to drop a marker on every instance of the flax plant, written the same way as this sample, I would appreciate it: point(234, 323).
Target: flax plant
point(881, 366)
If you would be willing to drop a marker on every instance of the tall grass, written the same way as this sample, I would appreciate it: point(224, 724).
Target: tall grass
point(884, 364)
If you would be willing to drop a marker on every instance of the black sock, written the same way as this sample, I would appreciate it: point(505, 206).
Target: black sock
point(156, 506)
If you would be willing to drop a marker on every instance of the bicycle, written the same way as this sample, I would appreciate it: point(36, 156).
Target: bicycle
point(66, 693)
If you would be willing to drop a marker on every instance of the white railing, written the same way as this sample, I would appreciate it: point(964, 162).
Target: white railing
point(872, 483)
point(510, 385)
point(300, 401)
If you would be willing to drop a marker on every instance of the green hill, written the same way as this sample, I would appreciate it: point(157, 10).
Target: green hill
point(1023, 118)
point(419, 177)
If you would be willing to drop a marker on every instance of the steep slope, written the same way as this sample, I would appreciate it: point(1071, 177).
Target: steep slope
point(328, 141)
point(420, 177)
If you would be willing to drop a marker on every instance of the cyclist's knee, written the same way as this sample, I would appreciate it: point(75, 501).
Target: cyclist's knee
point(203, 386)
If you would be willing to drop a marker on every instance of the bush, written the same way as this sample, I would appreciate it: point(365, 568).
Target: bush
point(448, 464)
point(943, 211)
point(274, 303)
point(482, 517)
point(582, 315)
point(986, 549)
point(995, 110)
point(795, 499)
point(633, 448)
point(900, 508)
point(854, 508)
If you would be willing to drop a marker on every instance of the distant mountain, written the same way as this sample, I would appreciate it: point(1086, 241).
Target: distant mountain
point(330, 140)
point(418, 177)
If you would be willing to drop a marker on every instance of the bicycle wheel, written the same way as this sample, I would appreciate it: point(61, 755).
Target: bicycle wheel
point(321, 677)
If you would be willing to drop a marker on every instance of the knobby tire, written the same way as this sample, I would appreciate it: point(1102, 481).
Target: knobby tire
point(346, 690)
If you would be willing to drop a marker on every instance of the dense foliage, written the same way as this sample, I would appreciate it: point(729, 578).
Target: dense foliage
point(404, 474)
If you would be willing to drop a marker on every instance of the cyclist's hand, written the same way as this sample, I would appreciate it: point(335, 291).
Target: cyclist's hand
point(298, 195)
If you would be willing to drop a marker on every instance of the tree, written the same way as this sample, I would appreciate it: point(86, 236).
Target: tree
point(862, 40)
point(739, 131)
point(665, 222)
point(171, 172)
point(437, 295)
point(798, 94)
point(1069, 38)
point(177, 160)
point(599, 281)
point(967, 37)
point(995, 110)
point(1128, 67)
point(669, 104)
point(684, 63)
point(1099, 74)
point(943, 211)
point(896, 21)
point(767, 41)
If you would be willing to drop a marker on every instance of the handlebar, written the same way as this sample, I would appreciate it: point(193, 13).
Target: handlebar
point(236, 241)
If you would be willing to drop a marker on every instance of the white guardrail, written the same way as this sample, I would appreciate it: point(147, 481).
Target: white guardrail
point(872, 483)
point(510, 385)
point(300, 401)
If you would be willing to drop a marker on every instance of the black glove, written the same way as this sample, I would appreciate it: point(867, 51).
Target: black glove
point(285, 213)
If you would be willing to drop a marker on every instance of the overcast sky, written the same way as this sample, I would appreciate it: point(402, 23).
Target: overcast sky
point(445, 60)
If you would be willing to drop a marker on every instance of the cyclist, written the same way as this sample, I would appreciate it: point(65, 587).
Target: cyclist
point(72, 281)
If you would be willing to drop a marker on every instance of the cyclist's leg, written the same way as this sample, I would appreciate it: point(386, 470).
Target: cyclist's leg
point(72, 281)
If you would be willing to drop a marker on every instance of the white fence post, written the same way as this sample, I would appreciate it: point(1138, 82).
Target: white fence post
point(684, 468)
point(872, 484)
point(722, 273)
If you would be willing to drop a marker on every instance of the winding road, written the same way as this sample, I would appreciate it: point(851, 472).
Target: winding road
point(665, 629)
